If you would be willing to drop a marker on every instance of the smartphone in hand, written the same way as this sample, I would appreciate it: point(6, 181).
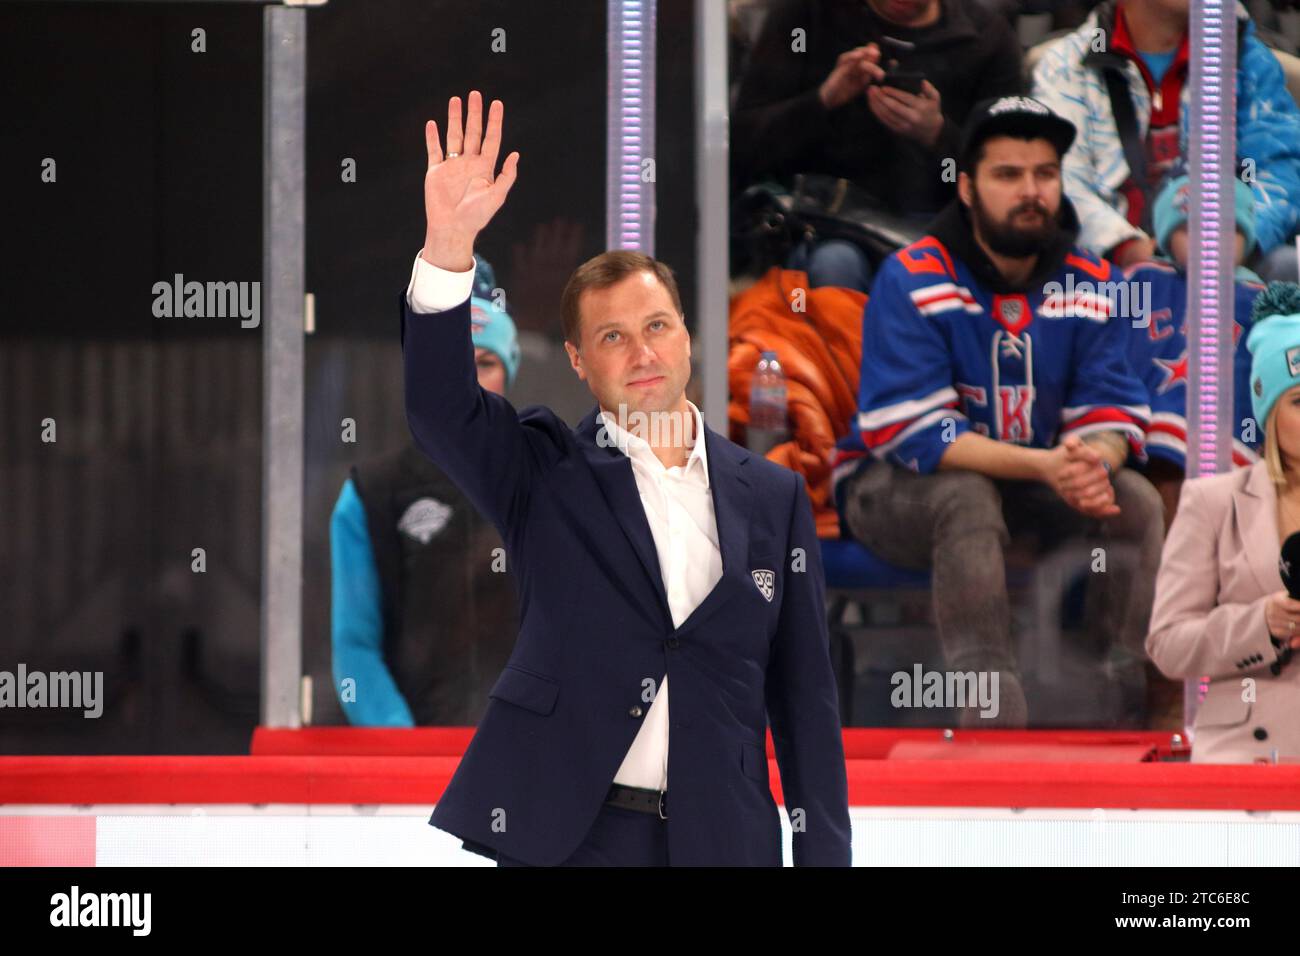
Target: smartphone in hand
point(908, 81)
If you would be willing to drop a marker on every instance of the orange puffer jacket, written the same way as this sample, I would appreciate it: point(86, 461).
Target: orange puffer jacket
point(820, 351)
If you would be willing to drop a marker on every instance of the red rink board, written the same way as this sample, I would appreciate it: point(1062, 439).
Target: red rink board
point(1048, 769)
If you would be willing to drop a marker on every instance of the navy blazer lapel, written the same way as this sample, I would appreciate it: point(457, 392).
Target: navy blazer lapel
point(732, 503)
point(613, 471)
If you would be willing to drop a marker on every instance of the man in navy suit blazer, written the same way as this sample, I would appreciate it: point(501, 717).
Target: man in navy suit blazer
point(595, 617)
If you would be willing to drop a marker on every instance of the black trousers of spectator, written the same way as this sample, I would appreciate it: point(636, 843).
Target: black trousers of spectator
point(619, 837)
point(958, 524)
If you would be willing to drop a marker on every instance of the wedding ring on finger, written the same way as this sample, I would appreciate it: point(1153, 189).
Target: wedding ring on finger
point(451, 154)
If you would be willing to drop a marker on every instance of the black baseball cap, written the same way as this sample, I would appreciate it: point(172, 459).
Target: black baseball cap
point(1013, 116)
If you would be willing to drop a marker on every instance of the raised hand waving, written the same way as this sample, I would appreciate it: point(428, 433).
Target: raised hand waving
point(462, 190)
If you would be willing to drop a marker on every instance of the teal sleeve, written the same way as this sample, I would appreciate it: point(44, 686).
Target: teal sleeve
point(356, 622)
point(1268, 133)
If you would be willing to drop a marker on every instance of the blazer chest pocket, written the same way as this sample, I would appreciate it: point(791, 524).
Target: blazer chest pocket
point(753, 762)
point(526, 689)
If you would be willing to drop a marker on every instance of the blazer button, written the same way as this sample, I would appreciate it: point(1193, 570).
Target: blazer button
point(634, 712)
point(672, 643)
point(1261, 733)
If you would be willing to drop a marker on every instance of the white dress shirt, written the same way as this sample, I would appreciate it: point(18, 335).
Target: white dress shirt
point(678, 507)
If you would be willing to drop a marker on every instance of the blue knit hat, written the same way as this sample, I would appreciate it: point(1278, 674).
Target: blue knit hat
point(1170, 211)
point(494, 330)
point(1274, 344)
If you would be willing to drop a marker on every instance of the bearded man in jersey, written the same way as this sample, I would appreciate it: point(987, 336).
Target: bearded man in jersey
point(996, 400)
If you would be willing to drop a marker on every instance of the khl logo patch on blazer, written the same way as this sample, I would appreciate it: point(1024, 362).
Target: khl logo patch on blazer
point(766, 582)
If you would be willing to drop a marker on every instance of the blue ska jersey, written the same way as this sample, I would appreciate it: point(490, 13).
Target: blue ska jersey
point(1158, 354)
point(941, 356)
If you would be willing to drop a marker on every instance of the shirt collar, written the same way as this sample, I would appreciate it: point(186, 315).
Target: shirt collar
point(638, 449)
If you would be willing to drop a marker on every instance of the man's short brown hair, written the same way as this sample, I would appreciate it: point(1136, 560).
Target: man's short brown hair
point(603, 271)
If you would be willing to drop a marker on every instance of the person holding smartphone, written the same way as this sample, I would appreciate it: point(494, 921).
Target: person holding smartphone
point(875, 92)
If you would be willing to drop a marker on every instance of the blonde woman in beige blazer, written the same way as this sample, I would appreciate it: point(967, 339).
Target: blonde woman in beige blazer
point(1220, 607)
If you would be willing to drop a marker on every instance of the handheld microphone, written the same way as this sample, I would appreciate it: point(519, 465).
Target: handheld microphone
point(1288, 566)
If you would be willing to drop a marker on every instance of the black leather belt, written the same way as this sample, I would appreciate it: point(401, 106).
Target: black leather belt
point(639, 798)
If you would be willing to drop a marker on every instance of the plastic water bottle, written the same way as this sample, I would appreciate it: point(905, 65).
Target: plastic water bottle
point(767, 406)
